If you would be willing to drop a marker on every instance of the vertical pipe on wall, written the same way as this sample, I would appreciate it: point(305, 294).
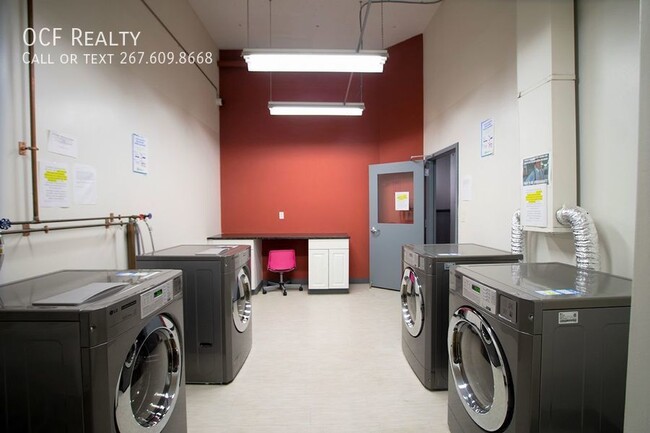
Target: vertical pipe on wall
point(130, 244)
point(32, 116)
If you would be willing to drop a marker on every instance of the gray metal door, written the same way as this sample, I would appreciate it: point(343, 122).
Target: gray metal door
point(396, 218)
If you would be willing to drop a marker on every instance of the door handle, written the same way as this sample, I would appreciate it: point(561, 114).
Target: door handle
point(374, 230)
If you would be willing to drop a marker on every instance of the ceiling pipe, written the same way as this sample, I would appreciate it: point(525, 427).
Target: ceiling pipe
point(363, 26)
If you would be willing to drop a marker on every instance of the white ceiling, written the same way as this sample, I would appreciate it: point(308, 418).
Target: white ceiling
point(320, 24)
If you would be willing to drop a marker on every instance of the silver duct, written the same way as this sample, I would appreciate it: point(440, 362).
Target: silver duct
point(517, 235)
point(585, 236)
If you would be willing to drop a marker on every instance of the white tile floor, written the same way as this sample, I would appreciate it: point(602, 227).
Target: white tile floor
point(321, 363)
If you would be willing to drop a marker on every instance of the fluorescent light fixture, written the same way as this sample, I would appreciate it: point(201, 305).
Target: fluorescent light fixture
point(276, 60)
point(315, 108)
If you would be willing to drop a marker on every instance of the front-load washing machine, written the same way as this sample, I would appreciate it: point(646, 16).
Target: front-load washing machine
point(218, 307)
point(537, 348)
point(424, 298)
point(93, 352)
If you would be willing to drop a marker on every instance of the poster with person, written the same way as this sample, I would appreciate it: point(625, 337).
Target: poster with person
point(535, 170)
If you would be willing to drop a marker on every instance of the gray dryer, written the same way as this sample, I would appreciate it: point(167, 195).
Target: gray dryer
point(93, 352)
point(425, 303)
point(537, 347)
point(218, 307)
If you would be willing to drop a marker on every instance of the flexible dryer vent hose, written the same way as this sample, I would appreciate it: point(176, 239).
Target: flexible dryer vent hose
point(517, 235)
point(585, 236)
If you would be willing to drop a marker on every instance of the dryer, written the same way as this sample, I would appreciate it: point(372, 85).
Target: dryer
point(218, 307)
point(424, 300)
point(537, 347)
point(93, 352)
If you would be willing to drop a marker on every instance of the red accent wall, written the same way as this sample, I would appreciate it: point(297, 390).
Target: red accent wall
point(401, 126)
point(315, 169)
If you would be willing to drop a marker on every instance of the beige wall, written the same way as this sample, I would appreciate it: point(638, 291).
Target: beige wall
point(101, 106)
point(637, 416)
point(608, 89)
point(471, 75)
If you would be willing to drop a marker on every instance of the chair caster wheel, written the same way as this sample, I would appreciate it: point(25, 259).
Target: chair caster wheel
point(300, 289)
point(284, 294)
point(263, 292)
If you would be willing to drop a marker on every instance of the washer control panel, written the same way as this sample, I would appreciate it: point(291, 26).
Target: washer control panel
point(508, 308)
point(411, 258)
point(480, 294)
point(156, 298)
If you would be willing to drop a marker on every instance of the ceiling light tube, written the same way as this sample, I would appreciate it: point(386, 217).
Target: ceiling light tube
point(276, 60)
point(278, 108)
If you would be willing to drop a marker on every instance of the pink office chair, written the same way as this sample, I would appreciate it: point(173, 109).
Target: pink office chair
point(281, 261)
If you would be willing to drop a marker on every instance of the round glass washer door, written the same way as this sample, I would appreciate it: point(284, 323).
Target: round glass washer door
point(412, 302)
point(479, 369)
point(242, 306)
point(150, 379)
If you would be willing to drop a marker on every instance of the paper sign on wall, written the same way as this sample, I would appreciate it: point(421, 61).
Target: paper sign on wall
point(140, 154)
point(466, 188)
point(62, 144)
point(535, 212)
point(487, 137)
point(402, 200)
point(54, 180)
point(535, 170)
point(85, 184)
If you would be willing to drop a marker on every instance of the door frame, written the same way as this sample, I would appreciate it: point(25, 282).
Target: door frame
point(429, 193)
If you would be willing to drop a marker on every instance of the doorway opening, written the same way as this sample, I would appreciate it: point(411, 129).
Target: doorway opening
point(441, 197)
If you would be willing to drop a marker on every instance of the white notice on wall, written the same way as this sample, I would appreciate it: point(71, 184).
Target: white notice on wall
point(85, 184)
point(402, 200)
point(466, 188)
point(140, 154)
point(535, 212)
point(62, 144)
point(55, 184)
point(487, 137)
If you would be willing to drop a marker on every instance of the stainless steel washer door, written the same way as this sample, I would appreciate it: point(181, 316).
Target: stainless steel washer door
point(242, 307)
point(412, 302)
point(150, 378)
point(479, 369)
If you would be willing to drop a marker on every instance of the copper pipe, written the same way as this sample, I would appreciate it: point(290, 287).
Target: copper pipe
point(130, 245)
point(71, 220)
point(111, 217)
point(179, 44)
point(32, 116)
point(48, 229)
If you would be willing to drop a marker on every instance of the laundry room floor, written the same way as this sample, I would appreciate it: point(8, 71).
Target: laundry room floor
point(321, 363)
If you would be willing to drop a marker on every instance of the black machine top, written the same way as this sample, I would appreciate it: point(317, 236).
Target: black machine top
point(193, 252)
point(552, 284)
point(77, 290)
point(456, 252)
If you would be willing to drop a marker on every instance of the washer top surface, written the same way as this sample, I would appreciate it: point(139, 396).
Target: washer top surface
point(456, 252)
point(79, 289)
point(552, 284)
point(203, 251)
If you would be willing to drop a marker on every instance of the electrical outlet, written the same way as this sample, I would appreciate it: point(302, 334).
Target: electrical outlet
point(281, 215)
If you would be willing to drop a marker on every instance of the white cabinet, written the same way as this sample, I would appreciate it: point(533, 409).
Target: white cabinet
point(329, 264)
point(318, 263)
